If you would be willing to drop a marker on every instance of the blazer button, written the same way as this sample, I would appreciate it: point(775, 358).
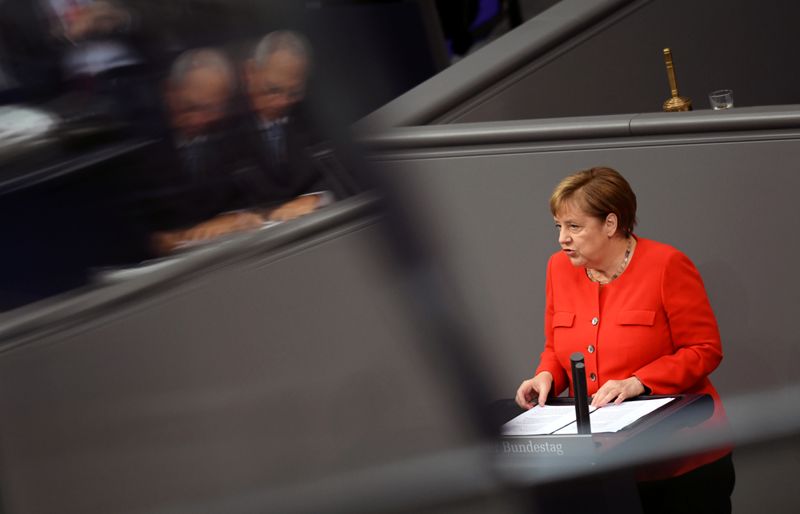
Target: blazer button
point(590, 348)
point(592, 377)
point(595, 321)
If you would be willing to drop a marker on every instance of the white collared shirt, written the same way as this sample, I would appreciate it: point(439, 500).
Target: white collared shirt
point(268, 124)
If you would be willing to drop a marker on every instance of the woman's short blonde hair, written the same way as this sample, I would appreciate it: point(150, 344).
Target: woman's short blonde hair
point(598, 192)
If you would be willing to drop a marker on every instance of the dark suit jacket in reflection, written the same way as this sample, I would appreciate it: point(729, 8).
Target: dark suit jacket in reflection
point(173, 193)
point(268, 183)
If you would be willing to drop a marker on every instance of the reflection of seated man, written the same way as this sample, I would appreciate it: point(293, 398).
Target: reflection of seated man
point(50, 41)
point(275, 84)
point(198, 186)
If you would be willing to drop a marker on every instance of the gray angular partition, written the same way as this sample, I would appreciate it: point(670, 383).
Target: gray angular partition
point(286, 371)
point(271, 362)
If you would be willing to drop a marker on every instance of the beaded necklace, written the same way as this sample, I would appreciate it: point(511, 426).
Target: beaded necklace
point(619, 270)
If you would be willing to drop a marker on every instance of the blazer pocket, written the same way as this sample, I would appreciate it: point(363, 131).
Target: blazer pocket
point(646, 318)
point(563, 319)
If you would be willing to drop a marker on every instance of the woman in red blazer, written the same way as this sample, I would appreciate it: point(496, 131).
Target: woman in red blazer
point(638, 312)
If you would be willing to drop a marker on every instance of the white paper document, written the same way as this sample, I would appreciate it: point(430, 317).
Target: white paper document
point(540, 420)
point(560, 419)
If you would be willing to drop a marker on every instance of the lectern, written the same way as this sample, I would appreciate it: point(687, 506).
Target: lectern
point(545, 453)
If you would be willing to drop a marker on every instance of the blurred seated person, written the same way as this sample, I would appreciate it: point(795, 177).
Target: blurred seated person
point(91, 62)
point(190, 194)
point(278, 129)
point(66, 44)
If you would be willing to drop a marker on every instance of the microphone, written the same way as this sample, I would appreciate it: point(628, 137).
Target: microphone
point(581, 394)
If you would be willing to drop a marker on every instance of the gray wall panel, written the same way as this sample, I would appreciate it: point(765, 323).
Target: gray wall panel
point(723, 203)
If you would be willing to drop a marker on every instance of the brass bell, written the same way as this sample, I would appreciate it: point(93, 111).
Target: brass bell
point(675, 102)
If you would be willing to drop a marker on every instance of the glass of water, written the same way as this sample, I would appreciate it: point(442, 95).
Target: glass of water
point(721, 99)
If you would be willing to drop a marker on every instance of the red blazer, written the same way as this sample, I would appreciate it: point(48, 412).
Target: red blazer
point(654, 321)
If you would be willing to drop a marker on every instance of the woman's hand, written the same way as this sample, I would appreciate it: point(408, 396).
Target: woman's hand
point(536, 388)
point(617, 391)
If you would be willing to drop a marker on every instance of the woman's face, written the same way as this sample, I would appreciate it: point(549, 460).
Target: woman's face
point(584, 238)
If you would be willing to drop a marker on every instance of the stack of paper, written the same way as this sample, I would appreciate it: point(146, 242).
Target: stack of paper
point(560, 419)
